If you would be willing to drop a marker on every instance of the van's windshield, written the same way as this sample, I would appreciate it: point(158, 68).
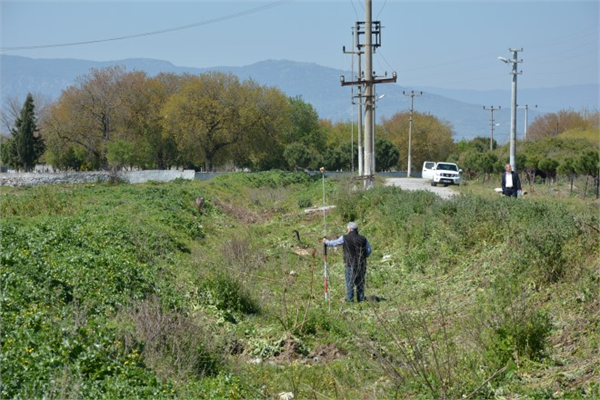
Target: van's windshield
point(446, 167)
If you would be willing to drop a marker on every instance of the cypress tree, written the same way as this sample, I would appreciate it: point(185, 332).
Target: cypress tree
point(29, 147)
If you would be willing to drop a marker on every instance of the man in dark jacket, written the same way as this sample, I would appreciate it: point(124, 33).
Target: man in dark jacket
point(356, 250)
point(510, 182)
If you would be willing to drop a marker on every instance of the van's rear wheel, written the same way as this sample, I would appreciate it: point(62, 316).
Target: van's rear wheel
point(433, 183)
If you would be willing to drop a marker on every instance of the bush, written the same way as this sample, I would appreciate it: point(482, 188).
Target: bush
point(227, 294)
point(304, 202)
point(514, 328)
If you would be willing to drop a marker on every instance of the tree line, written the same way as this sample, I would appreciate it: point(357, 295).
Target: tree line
point(562, 144)
point(111, 118)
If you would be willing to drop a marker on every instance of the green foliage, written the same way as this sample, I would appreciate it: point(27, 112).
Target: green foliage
point(516, 329)
point(273, 179)
point(228, 294)
point(26, 146)
point(120, 153)
point(386, 154)
point(304, 202)
point(8, 152)
point(71, 257)
point(298, 156)
point(130, 291)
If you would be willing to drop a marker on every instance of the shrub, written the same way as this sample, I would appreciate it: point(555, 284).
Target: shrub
point(513, 328)
point(227, 294)
point(304, 202)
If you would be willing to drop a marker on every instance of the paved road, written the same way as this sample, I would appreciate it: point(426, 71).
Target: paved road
point(421, 184)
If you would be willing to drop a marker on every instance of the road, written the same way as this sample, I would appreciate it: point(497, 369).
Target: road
point(421, 184)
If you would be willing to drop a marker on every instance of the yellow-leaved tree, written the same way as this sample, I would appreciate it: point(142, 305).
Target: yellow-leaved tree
point(431, 137)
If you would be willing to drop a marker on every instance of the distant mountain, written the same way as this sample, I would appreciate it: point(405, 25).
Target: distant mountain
point(577, 97)
point(321, 87)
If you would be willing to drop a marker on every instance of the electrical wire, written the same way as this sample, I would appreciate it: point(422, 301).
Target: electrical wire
point(380, 11)
point(178, 28)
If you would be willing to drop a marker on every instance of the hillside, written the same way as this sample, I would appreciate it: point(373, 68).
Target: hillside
point(318, 85)
point(131, 291)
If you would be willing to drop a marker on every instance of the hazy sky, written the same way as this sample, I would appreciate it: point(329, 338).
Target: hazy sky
point(445, 44)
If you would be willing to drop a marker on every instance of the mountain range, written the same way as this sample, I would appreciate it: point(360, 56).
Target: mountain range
point(321, 87)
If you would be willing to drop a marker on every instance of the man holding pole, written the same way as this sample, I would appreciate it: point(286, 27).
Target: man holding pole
point(356, 250)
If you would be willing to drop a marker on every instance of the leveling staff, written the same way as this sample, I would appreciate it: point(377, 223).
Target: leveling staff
point(356, 250)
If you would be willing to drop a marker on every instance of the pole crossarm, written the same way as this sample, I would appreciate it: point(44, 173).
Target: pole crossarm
point(393, 79)
point(492, 109)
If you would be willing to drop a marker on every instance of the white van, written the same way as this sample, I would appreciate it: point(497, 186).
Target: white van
point(428, 168)
point(446, 173)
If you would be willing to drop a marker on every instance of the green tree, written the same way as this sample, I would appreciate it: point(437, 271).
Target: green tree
point(335, 159)
point(143, 103)
point(8, 152)
point(431, 137)
point(297, 156)
point(479, 144)
point(387, 155)
point(90, 115)
point(530, 166)
point(120, 153)
point(471, 161)
point(305, 126)
point(488, 164)
point(214, 118)
point(548, 166)
point(587, 164)
point(27, 145)
point(567, 167)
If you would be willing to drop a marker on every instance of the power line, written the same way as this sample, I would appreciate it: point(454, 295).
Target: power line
point(178, 28)
point(380, 11)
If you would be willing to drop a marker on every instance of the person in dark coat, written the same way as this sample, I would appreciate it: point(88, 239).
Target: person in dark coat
point(356, 250)
point(510, 182)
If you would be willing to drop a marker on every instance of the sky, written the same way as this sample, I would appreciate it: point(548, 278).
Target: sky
point(445, 44)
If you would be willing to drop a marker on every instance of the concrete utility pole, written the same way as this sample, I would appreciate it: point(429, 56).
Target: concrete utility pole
point(410, 123)
point(368, 96)
point(526, 107)
point(371, 28)
point(513, 110)
point(492, 109)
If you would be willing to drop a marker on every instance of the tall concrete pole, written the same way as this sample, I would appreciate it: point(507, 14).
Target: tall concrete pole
point(513, 116)
point(360, 119)
point(368, 171)
point(410, 123)
point(513, 111)
point(526, 123)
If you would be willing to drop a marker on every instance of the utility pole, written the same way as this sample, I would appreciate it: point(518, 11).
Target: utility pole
point(371, 29)
point(412, 95)
point(492, 109)
point(526, 107)
point(513, 110)
point(368, 96)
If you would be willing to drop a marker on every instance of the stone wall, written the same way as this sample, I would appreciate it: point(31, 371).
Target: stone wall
point(34, 179)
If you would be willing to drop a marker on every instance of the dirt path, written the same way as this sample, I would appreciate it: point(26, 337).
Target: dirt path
point(421, 184)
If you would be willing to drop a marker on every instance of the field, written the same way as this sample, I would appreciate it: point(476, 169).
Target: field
point(133, 291)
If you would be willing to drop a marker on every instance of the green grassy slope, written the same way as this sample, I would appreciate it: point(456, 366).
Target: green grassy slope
point(130, 291)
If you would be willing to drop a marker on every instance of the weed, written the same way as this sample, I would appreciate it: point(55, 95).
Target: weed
point(227, 294)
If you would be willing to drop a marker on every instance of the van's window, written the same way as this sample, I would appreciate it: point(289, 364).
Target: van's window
point(447, 167)
point(429, 165)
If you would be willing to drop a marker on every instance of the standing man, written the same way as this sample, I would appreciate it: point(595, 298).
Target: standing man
point(510, 182)
point(356, 250)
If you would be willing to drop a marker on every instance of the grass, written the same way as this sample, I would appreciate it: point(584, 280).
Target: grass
point(130, 291)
